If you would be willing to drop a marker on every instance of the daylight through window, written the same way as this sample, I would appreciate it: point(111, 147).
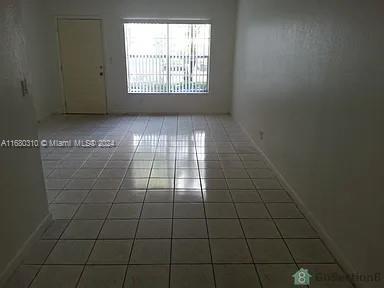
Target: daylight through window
point(167, 57)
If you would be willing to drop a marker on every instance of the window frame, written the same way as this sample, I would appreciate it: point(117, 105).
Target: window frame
point(166, 21)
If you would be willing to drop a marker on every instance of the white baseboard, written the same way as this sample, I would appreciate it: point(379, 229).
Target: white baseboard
point(323, 234)
point(17, 260)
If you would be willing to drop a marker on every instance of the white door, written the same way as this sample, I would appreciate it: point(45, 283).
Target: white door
point(82, 65)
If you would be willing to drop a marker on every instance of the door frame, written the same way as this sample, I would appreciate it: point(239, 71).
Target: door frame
point(60, 71)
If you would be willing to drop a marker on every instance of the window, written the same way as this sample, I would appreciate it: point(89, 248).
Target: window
point(167, 57)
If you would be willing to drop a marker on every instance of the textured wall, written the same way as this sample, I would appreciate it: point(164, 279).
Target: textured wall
point(41, 58)
point(23, 203)
point(309, 74)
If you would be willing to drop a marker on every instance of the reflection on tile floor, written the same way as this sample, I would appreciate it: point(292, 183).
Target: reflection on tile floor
point(180, 201)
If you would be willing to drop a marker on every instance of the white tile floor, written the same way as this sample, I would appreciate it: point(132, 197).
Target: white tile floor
point(181, 201)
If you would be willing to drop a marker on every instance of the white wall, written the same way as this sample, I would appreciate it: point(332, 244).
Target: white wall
point(23, 203)
point(222, 14)
point(42, 59)
point(309, 74)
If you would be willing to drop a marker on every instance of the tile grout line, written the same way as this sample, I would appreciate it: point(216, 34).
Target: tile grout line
point(62, 232)
point(173, 206)
point(98, 234)
point(141, 209)
point(298, 208)
point(221, 128)
point(242, 228)
point(79, 203)
point(281, 236)
point(205, 215)
point(272, 219)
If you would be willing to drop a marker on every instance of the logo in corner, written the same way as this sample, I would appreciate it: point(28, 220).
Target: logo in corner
point(301, 277)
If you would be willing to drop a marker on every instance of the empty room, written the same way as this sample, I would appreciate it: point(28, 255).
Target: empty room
point(191, 144)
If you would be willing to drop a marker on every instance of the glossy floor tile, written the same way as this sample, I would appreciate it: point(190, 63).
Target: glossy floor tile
point(174, 201)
